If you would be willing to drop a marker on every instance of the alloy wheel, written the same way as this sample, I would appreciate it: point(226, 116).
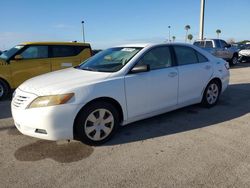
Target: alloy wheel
point(212, 93)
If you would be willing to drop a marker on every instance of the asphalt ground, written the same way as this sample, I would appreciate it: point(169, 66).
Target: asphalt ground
point(190, 147)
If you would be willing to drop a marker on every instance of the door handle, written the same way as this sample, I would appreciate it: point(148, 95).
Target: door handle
point(172, 74)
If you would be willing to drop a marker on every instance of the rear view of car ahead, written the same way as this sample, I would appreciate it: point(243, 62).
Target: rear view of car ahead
point(220, 48)
point(27, 60)
point(117, 86)
point(244, 55)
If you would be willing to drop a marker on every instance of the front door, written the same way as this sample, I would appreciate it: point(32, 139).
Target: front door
point(154, 90)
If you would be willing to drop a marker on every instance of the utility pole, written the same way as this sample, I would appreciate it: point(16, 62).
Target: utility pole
point(202, 20)
point(83, 35)
point(169, 27)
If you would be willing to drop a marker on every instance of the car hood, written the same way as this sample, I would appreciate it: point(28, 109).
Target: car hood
point(245, 52)
point(61, 81)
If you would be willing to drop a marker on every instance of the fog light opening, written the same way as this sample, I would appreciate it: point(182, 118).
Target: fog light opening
point(41, 131)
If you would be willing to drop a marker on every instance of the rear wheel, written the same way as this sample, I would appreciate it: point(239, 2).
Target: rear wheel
point(211, 94)
point(4, 90)
point(97, 123)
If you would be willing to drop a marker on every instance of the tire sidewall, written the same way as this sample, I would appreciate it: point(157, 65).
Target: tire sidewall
point(82, 117)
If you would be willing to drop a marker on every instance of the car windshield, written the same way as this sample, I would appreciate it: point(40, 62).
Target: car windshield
point(110, 60)
point(9, 53)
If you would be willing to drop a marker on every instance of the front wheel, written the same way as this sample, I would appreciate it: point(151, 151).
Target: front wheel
point(211, 94)
point(4, 90)
point(97, 123)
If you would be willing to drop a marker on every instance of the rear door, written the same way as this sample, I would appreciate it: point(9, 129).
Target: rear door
point(34, 62)
point(64, 56)
point(195, 71)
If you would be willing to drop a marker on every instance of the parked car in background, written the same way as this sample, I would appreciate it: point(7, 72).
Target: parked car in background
point(1, 52)
point(244, 55)
point(31, 59)
point(220, 48)
point(115, 87)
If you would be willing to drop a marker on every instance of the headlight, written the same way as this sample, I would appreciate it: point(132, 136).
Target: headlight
point(50, 100)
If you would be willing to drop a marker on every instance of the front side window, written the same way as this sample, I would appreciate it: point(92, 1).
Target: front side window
point(157, 58)
point(223, 44)
point(185, 55)
point(110, 60)
point(35, 52)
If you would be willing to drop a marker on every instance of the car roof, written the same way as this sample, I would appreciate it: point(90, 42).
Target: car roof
point(56, 43)
point(144, 45)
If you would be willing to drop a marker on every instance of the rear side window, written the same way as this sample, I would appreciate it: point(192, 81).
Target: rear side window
point(199, 44)
point(185, 55)
point(66, 51)
point(201, 58)
point(209, 44)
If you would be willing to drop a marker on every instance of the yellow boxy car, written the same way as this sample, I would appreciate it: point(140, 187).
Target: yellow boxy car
point(31, 59)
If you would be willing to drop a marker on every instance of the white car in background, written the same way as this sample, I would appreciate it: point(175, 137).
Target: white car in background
point(244, 55)
point(117, 86)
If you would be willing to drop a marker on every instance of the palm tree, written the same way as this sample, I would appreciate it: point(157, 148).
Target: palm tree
point(187, 27)
point(218, 31)
point(190, 37)
point(173, 37)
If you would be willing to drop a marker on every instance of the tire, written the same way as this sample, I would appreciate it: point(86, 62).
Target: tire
point(234, 61)
point(93, 130)
point(4, 90)
point(211, 94)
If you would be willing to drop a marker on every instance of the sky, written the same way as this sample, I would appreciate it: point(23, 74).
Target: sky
point(114, 22)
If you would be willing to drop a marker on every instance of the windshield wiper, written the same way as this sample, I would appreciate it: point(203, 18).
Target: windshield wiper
point(88, 69)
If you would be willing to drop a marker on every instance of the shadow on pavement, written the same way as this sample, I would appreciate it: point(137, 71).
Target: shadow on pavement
point(5, 111)
point(241, 65)
point(63, 153)
point(234, 103)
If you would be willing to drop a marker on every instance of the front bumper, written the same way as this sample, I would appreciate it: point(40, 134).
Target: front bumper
point(49, 123)
point(244, 59)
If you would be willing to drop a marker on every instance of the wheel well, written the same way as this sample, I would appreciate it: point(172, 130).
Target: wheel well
point(103, 99)
point(1, 79)
point(235, 54)
point(218, 81)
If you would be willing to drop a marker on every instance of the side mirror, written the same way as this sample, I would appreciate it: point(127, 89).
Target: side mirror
point(228, 46)
point(18, 57)
point(140, 68)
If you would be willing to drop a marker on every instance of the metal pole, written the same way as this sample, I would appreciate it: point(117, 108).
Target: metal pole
point(83, 35)
point(169, 27)
point(202, 20)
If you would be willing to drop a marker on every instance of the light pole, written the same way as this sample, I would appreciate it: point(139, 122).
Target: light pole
point(83, 35)
point(169, 27)
point(202, 20)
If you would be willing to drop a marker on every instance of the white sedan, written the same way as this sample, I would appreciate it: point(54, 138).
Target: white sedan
point(117, 86)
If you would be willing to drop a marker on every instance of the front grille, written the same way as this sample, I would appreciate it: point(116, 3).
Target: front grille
point(22, 99)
